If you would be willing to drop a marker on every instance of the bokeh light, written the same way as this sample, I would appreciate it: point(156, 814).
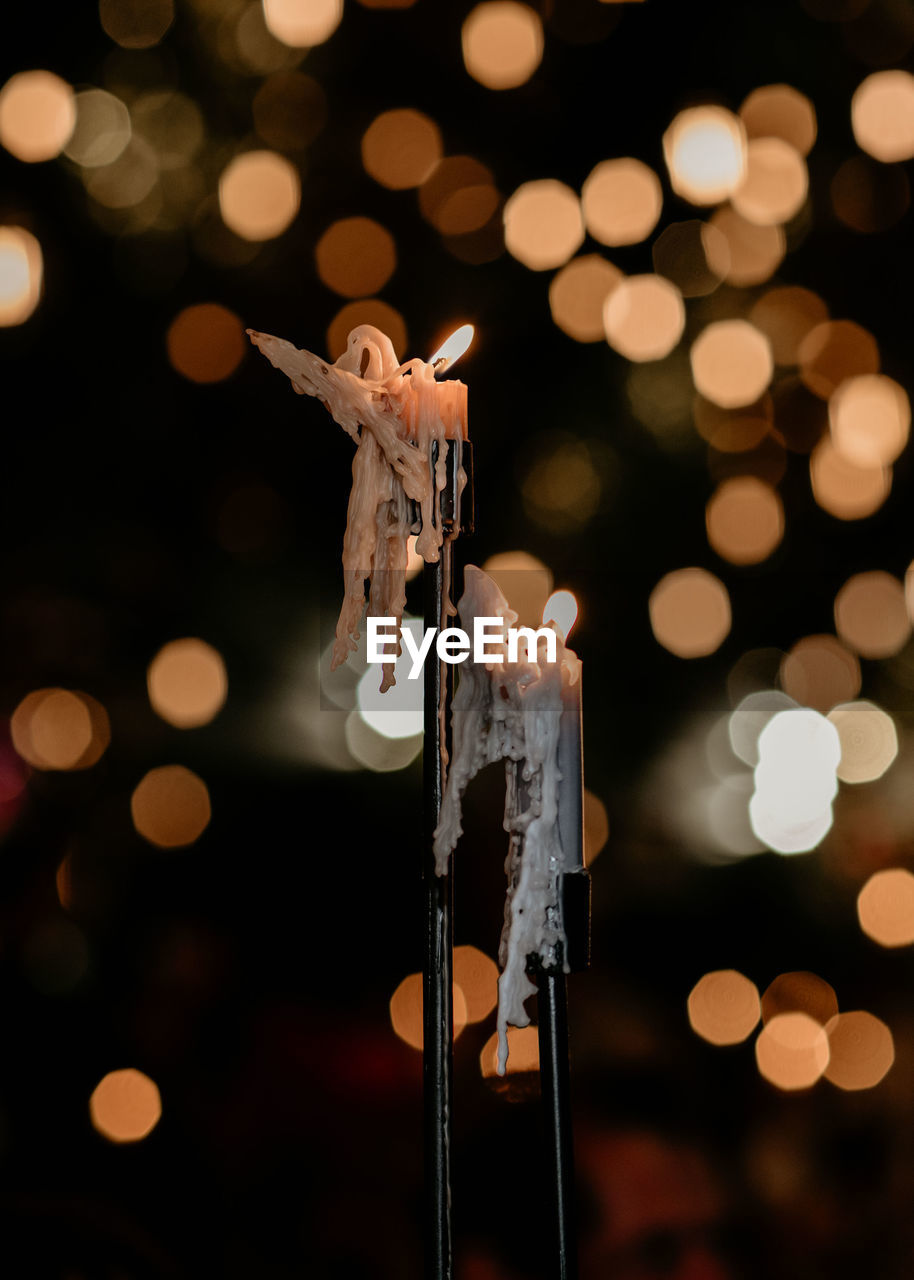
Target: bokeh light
point(833, 351)
point(125, 1105)
point(749, 718)
point(724, 1007)
point(397, 712)
point(289, 109)
point(523, 1053)
point(795, 780)
point(377, 751)
point(102, 129)
point(621, 200)
point(302, 23)
point(869, 197)
point(476, 974)
point(400, 148)
point(60, 729)
point(743, 253)
point(785, 315)
point(136, 24)
point(502, 43)
point(577, 294)
point(524, 581)
point(731, 363)
point(259, 195)
point(882, 115)
point(596, 827)
point(562, 487)
point(355, 256)
point(744, 518)
point(206, 342)
point(871, 616)
point(869, 740)
point(861, 1048)
point(21, 275)
point(780, 111)
point(37, 115)
point(544, 226)
point(819, 671)
point(690, 612)
point(680, 253)
point(406, 1007)
point(170, 807)
point(705, 153)
point(792, 1051)
point(644, 317)
point(459, 196)
point(800, 992)
point(870, 420)
point(366, 311)
point(734, 430)
point(775, 183)
point(885, 907)
point(187, 682)
point(843, 489)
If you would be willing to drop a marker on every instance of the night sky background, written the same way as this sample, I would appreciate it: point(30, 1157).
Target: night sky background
point(249, 974)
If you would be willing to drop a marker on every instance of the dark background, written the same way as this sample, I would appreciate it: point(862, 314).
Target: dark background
point(249, 974)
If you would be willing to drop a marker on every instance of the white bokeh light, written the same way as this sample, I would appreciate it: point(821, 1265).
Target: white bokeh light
point(795, 780)
point(398, 712)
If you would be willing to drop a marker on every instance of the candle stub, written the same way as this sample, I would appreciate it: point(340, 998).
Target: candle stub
point(397, 414)
point(512, 711)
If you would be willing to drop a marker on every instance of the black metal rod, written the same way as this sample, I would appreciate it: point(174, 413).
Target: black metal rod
point(552, 1010)
point(438, 1016)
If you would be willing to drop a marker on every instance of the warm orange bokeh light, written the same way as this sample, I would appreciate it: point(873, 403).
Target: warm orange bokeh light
point(170, 807)
point(705, 153)
point(792, 1051)
point(869, 740)
point(562, 488)
point(871, 615)
point(187, 683)
point(785, 315)
point(259, 195)
point(870, 420)
point(690, 612)
point(37, 115)
point(406, 1007)
point(205, 342)
point(775, 183)
point(459, 196)
point(523, 1053)
point(680, 253)
point(820, 672)
point(125, 1105)
point(862, 1050)
point(577, 294)
point(644, 317)
point(138, 25)
point(731, 363)
point(21, 272)
point(743, 253)
point(724, 1007)
point(596, 827)
point(780, 111)
point(524, 581)
point(302, 23)
point(60, 729)
point(833, 351)
point(882, 115)
point(800, 992)
point(744, 519)
point(400, 148)
point(843, 489)
point(366, 311)
point(476, 974)
point(621, 200)
point(543, 224)
point(355, 256)
point(885, 907)
point(502, 43)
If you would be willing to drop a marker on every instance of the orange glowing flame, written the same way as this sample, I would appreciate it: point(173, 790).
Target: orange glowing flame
point(452, 348)
point(561, 609)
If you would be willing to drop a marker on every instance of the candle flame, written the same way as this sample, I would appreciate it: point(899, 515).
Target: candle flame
point(452, 348)
point(561, 609)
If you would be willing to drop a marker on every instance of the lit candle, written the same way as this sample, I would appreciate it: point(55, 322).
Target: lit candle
point(404, 421)
point(527, 713)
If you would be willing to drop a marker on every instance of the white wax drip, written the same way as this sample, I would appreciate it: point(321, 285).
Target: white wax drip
point(511, 712)
point(396, 414)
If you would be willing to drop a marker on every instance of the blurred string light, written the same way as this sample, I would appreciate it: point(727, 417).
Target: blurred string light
point(125, 1105)
point(885, 907)
point(861, 1050)
point(577, 294)
point(543, 223)
point(371, 749)
point(644, 317)
point(205, 342)
point(139, 24)
point(882, 115)
point(502, 43)
point(732, 363)
point(170, 807)
point(785, 315)
point(792, 1051)
point(187, 683)
point(733, 430)
point(800, 992)
point(400, 148)
point(744, 519)
point(621, 201)
point(367, 311)
point(355, 256)
point(259, 195)
point(397, 713)
point(21, 275)
point(834, 351)
point(37, 115)
point(690, 612)
point(459, 195)
point(871, 616)
point(102, 129)
point(795, 781)
point(869, 740)
point(775, 183)
point(60, 729)
point(744, 253)
point(780, 111)
point(705, 153)
point(723, 1007)
point(819, 672)
point(681, 254)
point(749, 718)
point(870, 420)
point(302, 23)
point(844, 489)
